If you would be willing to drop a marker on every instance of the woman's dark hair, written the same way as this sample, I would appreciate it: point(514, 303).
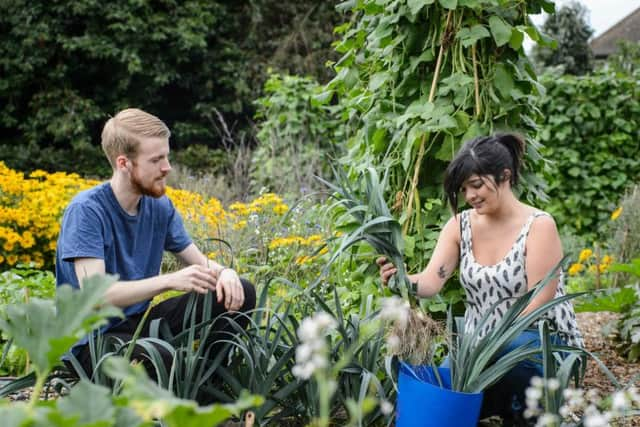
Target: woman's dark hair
point(488, 155)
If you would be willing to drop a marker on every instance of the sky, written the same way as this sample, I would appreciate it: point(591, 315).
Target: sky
point(603, 14)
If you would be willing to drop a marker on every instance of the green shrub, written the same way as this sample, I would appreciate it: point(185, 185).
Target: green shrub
point(590, 136)
point(295, 137)
point(85, 160)
point(68, 65)
point(201, 159)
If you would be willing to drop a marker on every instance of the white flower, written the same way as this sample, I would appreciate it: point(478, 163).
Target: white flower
point(311, 353)
point(315, 327)
point(536, 382)
point(546, 420)
point(320, 361)
point(619, 401)
point(596, 420)
point(553, 384)
point(308, 330)
point(386, 407)
point(303, 371)
point(593, 395)
point(533, 394)
point(303, 352)
point(574, 398)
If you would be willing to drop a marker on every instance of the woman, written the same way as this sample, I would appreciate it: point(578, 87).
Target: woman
point(503, 247)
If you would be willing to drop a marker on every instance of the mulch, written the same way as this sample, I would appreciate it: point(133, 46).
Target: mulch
point(593, 327)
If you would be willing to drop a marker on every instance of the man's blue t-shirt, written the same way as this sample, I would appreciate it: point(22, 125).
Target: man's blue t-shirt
point(94, 225)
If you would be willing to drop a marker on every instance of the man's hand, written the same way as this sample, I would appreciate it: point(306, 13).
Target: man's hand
point(387, 269)
point(229, 288)
point(195, 278)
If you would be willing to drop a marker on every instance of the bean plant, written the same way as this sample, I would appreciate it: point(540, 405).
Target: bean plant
point(417, 78)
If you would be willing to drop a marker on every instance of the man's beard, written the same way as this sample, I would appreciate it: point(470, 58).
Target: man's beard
point(147, 190)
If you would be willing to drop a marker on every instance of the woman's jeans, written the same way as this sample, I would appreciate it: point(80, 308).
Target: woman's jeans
point(506, 398)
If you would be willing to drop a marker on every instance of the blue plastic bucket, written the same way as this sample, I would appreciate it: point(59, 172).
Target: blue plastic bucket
point(423, 403)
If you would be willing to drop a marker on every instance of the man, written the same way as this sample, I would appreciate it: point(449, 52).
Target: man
point(123, 226)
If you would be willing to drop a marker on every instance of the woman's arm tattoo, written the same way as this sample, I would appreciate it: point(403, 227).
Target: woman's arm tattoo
point(442, 272)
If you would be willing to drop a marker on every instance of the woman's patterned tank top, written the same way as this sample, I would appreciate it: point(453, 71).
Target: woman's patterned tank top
point(502, 283)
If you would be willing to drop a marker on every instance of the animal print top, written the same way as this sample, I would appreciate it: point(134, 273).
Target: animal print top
point(505, 281)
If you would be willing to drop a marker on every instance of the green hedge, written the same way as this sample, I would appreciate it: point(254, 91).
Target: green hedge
point(591, 136)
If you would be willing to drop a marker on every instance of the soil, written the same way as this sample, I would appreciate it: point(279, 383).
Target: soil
point(593, 327)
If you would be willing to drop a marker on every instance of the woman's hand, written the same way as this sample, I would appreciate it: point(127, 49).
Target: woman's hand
point(387, 269)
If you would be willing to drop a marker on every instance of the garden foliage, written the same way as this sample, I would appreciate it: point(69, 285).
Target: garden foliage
point(418, 78)
point(297, 136)
point(47, 328)
point(628, 326)
point(590, 135)
point(624, 239)
point(70, 64)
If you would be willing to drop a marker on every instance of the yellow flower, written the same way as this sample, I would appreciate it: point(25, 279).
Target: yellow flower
point(585, 254)
point(575, 269)
point(281, 292)
point(280, 209)
point(12, 259)
point(314, 239)
point(239, 225)
point(615, 214)
point(603, 268)
point(302, 259)
point(607, 259)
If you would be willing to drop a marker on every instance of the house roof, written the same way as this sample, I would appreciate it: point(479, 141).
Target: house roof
point(627, 29)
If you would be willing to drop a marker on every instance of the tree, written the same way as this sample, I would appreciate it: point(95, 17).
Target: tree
point(66, 65)
point(570, 29)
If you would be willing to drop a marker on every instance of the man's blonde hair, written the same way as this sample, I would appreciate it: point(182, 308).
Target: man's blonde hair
point(121, 134)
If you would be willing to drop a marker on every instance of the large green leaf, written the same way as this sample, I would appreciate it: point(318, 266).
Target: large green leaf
point(448, 4)
point(47, 331)
point(90, 402)
point(615, 300)
point(504, 81)
point(151, 402)
point(500, 30)
point(469, 36)
point(13, 415)
point(416, 5)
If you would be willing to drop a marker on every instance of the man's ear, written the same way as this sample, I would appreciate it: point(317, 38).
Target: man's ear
point(121, 161)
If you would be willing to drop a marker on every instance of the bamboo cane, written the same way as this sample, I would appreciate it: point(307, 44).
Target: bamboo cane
point(476, 83)
point(421, 150)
